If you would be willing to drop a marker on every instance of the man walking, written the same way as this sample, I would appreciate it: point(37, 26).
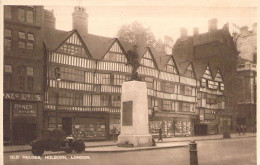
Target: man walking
point(160, 134)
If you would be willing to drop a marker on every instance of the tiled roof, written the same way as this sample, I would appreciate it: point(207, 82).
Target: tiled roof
point(54, 38)
point(98, 46)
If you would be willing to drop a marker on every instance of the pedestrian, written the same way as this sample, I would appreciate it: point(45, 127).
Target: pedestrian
point(244, 130)
point(160, 134)
point(239, 130)
point(114, 133)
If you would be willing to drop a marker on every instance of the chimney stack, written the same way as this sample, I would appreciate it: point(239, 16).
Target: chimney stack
point(195, 31)
point(49, 19)
point(212, 24)
point(80, 20)
point(168, 44)
point(183, 32)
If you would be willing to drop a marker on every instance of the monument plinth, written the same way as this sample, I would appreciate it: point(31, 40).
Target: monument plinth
point(134, 115)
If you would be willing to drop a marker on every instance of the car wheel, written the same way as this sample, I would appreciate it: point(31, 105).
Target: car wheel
point(79, 146)
point(37, 150)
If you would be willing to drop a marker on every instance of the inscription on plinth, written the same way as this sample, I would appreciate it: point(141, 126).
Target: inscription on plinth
point(127, 113)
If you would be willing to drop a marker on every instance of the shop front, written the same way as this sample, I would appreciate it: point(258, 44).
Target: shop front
point(22, 118)
point(172, 126)
point(84, 125)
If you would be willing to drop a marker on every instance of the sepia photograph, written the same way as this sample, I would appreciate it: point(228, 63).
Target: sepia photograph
point(129, 82)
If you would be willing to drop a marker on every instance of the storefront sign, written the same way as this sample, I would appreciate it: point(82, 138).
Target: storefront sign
point(22, 96)
point(127, 113)
point(24, 110)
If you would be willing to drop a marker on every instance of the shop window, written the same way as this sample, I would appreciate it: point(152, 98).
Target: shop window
point(183, 127)
point(89, 128)
point(7, 12)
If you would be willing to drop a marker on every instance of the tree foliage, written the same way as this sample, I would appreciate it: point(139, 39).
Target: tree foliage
point(136, 34)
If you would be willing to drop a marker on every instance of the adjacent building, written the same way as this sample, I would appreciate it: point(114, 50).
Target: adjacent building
point(216, 48)
point(23, 74)
point(246, 43)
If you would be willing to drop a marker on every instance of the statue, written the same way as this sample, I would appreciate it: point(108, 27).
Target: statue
point(132, 59)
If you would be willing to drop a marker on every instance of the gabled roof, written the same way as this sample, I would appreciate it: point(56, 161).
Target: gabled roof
point(98, 45)
point(160, 57)
point(182, 64)
point(54, 38)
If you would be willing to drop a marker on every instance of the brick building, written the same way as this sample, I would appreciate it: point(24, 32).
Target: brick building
point(216, 48)
point(23, 73)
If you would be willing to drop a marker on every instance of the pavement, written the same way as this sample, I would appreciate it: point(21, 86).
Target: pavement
point(110, 146)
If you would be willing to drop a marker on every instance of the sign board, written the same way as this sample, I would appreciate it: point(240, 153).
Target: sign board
point(24, 110)
point(127, 113)
point(22, 96)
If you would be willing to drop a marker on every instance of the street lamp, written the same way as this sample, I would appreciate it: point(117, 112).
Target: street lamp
point(58, 79)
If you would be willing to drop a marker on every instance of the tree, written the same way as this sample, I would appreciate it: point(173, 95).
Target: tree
point(136, 34)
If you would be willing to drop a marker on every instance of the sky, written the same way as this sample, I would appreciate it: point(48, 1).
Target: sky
point(162, 20)
point(164, 17)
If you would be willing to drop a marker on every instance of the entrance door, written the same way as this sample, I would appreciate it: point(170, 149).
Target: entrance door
point(31, 132)
point(24, 133)
point(19, 133)
point(67, 125)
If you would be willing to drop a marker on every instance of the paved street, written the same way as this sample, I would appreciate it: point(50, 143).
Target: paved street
point(214, 152)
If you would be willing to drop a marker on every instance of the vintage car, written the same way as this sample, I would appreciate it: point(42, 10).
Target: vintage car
point(56, 140)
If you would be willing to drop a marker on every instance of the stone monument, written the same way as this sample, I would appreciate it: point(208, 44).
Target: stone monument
point(134, 109)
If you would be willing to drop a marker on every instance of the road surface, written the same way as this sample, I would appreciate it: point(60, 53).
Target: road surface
point(240, 151)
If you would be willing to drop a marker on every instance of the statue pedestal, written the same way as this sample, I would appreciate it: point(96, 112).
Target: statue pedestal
point(134, 115)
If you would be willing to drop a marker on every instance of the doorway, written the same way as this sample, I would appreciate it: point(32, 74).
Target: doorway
point(24, 133)
point(67, 125)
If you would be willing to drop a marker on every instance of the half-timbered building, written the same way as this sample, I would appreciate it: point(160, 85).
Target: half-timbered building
point(85, 98)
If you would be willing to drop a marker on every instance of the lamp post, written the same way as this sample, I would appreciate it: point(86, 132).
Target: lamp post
point(57, 76)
